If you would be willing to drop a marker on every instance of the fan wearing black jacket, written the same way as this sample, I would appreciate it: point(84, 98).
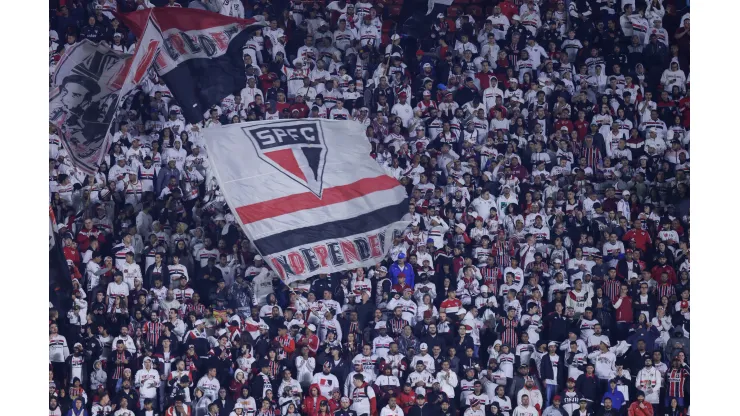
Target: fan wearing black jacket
point(557, 324)
point(552, 367)
point(588, 384)
point(225, 402)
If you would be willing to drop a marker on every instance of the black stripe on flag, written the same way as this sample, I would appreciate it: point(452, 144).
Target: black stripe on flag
point(374, 220)
point(199, 83)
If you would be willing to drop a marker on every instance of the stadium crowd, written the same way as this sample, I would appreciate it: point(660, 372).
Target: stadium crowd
point(545, 271)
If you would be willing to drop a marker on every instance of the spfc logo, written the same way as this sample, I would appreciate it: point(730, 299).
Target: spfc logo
point(296, 149)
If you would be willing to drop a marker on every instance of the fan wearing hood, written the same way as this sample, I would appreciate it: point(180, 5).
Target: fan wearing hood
point(673, 76)
point(313, 400)
point(147, 380)
point(98, 376)
point(240, 380)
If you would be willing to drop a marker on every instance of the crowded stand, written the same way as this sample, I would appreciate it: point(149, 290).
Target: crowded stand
point(544, 146)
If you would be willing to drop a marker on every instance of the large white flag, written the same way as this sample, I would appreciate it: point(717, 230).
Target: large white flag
point(307, 193)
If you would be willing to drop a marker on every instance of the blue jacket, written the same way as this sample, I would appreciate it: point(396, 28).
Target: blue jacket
point(617, 398)
point(395, 270)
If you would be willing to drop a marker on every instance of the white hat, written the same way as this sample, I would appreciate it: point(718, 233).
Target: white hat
point(552, 343)
point(395, 37)
point(258, 257)
point(238, 405)
point(625, 193)
point(218, 217)
point(440, 16)
point(380, 325)
point(516, 17)
point(312, 327)
point(558, 261)
point(423, 346)
point(484, 289)
point(200, 322)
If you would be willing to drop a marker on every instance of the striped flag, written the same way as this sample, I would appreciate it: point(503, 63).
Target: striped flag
point(200, 53)
point(52, 228)
point(307, 193)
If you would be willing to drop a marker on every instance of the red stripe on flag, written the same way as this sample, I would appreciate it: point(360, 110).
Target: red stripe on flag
point(307, 200)
point(180, 18)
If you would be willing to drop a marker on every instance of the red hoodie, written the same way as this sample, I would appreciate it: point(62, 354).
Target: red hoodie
point(658, 270)
point(311, 404)
point(406, 400)
point(635, 410)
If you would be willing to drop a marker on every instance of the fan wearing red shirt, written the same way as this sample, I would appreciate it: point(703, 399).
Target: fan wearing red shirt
point(581, 125)
point(662, 267)
point(451, 305)
point(88, 231)
point(266, 78)
point(300, 106)
point(484, 76)
point(310, 340)
point(508, 8)
point(282, 103)
point(684, 108)
point(563, 121)
point(641, 237)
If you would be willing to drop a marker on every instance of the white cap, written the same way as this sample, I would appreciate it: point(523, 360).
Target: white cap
point(312, 327)
point(423, 346)
point(484, 289)
point(395, 37)
point(516, 17)
point(625, 193)
point(258, 257)
point(200, 322)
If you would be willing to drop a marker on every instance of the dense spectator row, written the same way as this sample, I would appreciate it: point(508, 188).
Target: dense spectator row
point(545, 271)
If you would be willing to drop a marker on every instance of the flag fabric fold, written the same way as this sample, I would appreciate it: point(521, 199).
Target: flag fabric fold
point(200, 58)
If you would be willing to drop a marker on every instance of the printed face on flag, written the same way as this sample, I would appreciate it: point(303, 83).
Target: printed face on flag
point(85, 99)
